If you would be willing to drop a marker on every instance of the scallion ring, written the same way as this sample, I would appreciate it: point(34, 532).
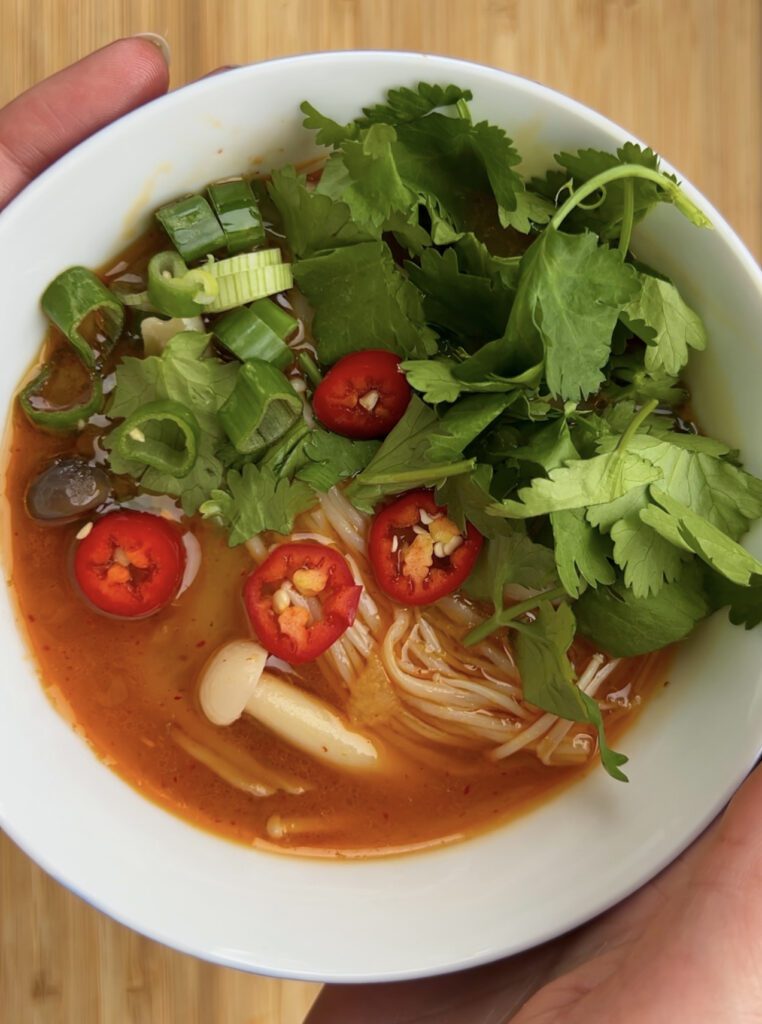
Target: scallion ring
point(238, 213)
point(246, 333)
point(163, 435)
point(241, 280)
point(176, 291)
point(261, 407)
point(192, 226)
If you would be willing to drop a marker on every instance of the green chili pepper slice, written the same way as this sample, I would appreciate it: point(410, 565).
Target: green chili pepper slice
point(163, 435)
point(44, 412)
point(71, 298)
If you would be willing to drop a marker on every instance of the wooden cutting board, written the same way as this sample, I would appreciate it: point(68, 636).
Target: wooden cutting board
point(682, 74)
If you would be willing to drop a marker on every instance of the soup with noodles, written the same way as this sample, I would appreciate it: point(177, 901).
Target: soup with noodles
point(328, 532)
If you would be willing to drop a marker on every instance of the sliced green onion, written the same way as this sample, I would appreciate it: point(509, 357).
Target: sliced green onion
point(192, 226)
point(281, 322)
point(163, 435)
point(248, 336)
point(238, 213)
point(236, 289)
point(287, 456)
point(136, 300)
point(43, 412)
point(244, 262)
point(176, 291)
point(261, 408)
point(309, 368)
point(71, 298)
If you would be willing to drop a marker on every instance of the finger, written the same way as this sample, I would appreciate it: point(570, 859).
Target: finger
point(49, 119)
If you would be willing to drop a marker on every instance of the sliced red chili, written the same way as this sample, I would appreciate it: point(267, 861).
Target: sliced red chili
point(417, 554)
point(130, 564)
point(364, 395)
point(300, 600)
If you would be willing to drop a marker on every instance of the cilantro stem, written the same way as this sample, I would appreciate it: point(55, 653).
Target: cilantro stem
point(506, 615)
point(628, 217)
point(636, 424)
point(463, 109)
point(422, 475)
point(685, 205)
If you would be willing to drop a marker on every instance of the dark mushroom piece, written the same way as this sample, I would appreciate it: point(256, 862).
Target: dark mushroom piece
point(67, 490)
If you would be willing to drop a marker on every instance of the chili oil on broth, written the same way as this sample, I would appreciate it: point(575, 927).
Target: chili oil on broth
point(130, 687)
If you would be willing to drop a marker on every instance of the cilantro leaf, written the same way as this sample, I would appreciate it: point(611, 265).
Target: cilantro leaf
point(422, 450)
point(579, 484)
point(510, 558)
point(361, 300)
point(451, 164)
point(202, 385)
point(531, 209)
point(605, 217)
point(570, 295)
point(647, 559)
point(498, 155)
point(402, 462)
point(744, 602)
point(329, 132)
point(629, 380)
point(311, 221)
point(434, 378)
point(549, 446)
point(374, 190)
point(468, 306)
point(695, 474)
point(624, 625)
point(192, 489)
point(405, 104)
point(462, 423)
point(255, 501)
point(444, 380)
point(684, 528)
point(467, 498)
point(334, 458)
point(660, 317)
point(582, 553)
point(138, 382)
point(547, 676)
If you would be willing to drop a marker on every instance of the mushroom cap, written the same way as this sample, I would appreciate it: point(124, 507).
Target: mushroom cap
point(229, 680)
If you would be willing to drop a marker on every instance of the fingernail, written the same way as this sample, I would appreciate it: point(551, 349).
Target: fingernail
point(221, 70)
point(158, 41)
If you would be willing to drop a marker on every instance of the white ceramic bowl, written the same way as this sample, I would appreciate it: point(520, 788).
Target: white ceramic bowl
point(476, 901)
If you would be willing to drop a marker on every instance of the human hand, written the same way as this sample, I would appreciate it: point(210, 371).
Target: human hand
point(51, 118)
point(686, 949)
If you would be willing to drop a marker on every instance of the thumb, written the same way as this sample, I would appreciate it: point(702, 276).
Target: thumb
point(51, 118)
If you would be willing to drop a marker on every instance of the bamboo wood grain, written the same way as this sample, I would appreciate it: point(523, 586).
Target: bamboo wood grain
point(682, 74)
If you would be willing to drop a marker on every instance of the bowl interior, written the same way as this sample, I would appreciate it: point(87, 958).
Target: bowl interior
point(452, 907)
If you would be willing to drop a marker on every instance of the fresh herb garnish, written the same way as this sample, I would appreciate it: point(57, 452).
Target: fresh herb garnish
point(548, 363)
point(255, 500)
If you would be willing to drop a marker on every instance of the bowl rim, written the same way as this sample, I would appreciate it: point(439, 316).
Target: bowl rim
point(441, 64)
